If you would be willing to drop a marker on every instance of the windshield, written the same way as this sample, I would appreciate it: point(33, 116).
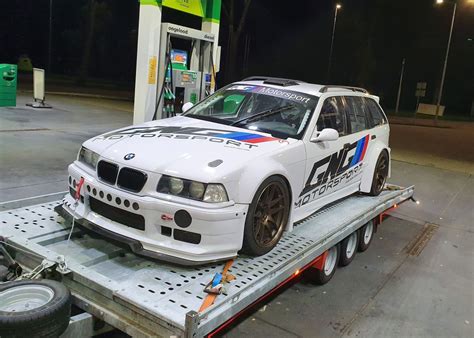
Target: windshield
point(282, 113)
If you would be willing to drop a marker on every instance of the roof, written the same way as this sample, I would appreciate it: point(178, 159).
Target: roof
point(301, 86)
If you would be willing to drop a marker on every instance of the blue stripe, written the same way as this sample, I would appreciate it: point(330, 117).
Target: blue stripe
point(356, 158)
point(239, 136)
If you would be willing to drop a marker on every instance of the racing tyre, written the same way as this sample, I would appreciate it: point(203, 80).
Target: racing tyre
point(321, 277)
point(348, 248)
point(34, 308)
point(366, 233)
point(380, 174)
point(267, 217)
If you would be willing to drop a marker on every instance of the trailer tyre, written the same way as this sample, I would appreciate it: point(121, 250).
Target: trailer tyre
point(366, 234)
point(34, 308)
point(349, 247)
point(321, 277)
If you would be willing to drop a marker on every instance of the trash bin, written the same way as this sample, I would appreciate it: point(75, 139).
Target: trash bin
point(8, 80)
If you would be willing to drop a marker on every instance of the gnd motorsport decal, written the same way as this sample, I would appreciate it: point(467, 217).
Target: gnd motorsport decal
point(337, 168)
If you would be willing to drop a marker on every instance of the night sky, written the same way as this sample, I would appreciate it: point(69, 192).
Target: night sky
point(286, 39)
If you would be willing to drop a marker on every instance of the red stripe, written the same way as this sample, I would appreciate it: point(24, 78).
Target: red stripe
point(260, 140)
point(365, 147)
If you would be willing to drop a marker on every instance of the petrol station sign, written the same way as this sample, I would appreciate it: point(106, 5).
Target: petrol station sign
point(195, 7)
point(207, 9)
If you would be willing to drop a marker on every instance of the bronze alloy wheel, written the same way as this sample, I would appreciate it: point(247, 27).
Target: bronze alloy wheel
point(380, 174)
point(271, 215)
point(267, 217)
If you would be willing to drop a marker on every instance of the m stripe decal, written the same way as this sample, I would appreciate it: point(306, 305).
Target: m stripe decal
point(366, 143)
point(246, 137)
point(360, 150)
point(240, 136)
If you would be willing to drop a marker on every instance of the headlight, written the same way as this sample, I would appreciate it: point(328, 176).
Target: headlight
point(88, 157)
point(215, 193)
point(197, 190)
point(212, 193)
point(176, 185)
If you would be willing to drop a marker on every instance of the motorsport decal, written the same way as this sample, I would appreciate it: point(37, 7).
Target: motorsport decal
point(285, 94)
point(236, 139)
point(333, 170)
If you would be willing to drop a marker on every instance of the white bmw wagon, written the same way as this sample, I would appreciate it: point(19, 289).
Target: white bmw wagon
point(233, 172)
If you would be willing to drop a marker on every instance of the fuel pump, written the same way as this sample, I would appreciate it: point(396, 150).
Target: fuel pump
point(184, 75)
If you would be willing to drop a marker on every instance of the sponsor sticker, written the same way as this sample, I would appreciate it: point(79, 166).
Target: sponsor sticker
point(285, 94)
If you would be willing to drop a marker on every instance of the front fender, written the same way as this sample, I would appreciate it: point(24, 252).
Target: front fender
point(367, 177)
point(254, 174)
point(258, 171)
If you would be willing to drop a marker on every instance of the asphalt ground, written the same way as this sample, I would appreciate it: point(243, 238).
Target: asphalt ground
point(416, 279)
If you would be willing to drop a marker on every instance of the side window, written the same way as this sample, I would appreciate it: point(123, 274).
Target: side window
point(332, 116)
point(378, 117)
point(355, 110)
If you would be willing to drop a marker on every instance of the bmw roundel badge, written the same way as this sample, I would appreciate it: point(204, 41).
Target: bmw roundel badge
point(129, 156)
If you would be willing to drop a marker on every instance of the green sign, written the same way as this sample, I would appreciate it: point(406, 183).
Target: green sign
point(209, 10)
point(195, 7)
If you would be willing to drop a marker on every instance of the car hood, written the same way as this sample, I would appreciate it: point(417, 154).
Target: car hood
point(185, 147)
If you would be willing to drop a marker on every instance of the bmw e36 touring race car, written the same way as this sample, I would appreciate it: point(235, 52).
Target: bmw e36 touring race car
point(233, 172)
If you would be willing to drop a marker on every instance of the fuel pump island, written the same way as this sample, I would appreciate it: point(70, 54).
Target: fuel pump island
point(147, 298)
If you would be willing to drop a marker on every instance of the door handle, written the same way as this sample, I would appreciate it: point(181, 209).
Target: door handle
point(373, 137)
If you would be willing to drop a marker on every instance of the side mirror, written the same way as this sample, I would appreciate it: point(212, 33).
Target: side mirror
point(327, 134)
point(186, 107)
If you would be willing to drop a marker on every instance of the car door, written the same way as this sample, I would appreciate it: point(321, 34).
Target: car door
point(324, 158)
point(358, 140)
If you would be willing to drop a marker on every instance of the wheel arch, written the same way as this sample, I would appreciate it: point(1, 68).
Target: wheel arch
point(248, 188)
point(366, 181)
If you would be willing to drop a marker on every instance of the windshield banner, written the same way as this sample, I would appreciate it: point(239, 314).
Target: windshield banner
point(285, 94)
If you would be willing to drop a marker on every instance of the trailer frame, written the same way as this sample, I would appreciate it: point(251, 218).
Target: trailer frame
point(145, 298)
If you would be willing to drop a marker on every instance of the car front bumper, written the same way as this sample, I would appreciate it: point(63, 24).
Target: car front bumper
point(214, 233)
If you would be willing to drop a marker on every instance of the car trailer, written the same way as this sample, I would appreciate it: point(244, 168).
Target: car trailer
point(145, 298)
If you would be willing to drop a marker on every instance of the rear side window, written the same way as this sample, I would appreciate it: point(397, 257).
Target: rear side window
point(332, 116)
point(356, 112)
point(377, 116)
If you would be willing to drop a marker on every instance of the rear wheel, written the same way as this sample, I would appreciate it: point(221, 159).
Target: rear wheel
point(366, 234)
point(349, 248)
point(324, 275)
point(380, 174)
point(267, 217)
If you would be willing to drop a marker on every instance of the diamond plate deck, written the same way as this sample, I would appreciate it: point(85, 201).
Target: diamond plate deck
point(147, 290)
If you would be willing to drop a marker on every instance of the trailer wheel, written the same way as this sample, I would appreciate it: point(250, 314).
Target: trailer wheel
point(34, 308)
point(349, 248)
point(324, 275)
point(366, 234)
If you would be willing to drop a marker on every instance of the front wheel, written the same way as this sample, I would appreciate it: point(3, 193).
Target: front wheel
point(380, 174)
point(267, 217)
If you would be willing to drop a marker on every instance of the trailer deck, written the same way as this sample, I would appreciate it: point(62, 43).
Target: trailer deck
point(142, 297)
